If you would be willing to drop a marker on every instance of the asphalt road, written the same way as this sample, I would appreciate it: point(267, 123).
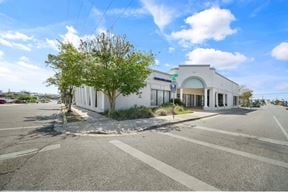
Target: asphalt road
point(221, 153)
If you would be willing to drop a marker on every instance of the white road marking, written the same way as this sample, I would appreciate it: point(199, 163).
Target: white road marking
point(29, 127)
point(50, 147)
point(229, 150)
point(11, 105)
point(274, 141)
point(18, 154)
point(175, 174)
point(281, 127)
point(28, 152)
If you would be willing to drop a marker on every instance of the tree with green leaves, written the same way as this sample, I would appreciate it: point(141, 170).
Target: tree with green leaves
point(114, 67)
point(245, 98)
point(68, 67)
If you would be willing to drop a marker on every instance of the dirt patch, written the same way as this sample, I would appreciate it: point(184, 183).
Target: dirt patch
point(73, 117)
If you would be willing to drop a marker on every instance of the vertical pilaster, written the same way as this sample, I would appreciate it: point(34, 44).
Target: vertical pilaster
point(205, 98)
point(181, 94)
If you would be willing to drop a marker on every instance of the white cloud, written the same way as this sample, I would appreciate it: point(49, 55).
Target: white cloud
point(14, 45)
point(47, 43)
point(25, 62)
point(280, 52)
point(157, 62)
point(96, 12)
point(52, 43)
point(129, 12)
point(98, 17)
point(71, 36)
point(282, 86)
point(4, 71)
point(216, 58)
point(213, 23)
point(22, 75)
point(162, 15)
point(171, 49)
point(15, 35)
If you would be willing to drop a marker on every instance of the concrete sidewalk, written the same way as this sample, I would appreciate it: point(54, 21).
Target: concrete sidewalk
point(96, 123)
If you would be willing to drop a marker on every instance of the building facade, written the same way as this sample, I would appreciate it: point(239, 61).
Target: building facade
point(197, 86)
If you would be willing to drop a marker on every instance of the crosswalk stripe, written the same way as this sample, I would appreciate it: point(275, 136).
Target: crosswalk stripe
point(175, 174)
point(229, 150)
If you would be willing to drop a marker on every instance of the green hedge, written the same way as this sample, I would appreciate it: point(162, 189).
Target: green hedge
point(132, 113)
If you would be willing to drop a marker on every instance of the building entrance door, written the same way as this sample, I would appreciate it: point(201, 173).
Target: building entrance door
point(198, 100)
point(188, 100)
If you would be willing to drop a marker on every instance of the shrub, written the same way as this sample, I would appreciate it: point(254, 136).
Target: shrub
point(179, 108)
point(177, 101)
point(166, 104)
point(141, 112)
point(132, 113)
point(27, 98)
point(162, 112)
point(167, 109)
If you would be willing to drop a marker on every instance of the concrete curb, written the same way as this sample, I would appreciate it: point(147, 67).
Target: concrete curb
point(103, 133)
point(176, 122)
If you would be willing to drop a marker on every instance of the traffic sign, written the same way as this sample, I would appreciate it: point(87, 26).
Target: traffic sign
point(173, 87)
point(174, 76)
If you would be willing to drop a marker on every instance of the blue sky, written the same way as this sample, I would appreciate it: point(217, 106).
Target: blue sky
point(245, 40)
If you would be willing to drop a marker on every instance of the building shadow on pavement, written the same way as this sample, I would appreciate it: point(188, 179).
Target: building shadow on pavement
point(237, 111)
point(54, 109)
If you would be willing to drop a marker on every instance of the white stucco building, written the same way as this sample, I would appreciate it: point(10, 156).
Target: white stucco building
point(197, 86)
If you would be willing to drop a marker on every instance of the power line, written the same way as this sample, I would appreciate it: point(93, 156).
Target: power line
point(104, 13)
point(123, 12)
point(91, 6)
point(80, 10)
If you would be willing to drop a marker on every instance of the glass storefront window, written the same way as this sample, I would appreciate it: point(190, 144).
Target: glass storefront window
point(158, 97)
point(166, 96)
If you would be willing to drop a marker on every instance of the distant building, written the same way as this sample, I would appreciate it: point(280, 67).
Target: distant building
point(197, 86)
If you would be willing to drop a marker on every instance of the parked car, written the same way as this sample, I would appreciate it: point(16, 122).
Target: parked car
point(256, 104)
point(2, 101)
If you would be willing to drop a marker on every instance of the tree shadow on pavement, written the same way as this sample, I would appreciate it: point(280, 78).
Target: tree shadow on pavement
point(41, 117)
point(46, 128)
point(45, 131)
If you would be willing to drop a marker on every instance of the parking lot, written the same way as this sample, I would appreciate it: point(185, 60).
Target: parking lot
point(236, 150)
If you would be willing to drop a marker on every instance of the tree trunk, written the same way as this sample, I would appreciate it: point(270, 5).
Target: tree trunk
point(112, 102)
point(70, 95)
point(112, 106)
